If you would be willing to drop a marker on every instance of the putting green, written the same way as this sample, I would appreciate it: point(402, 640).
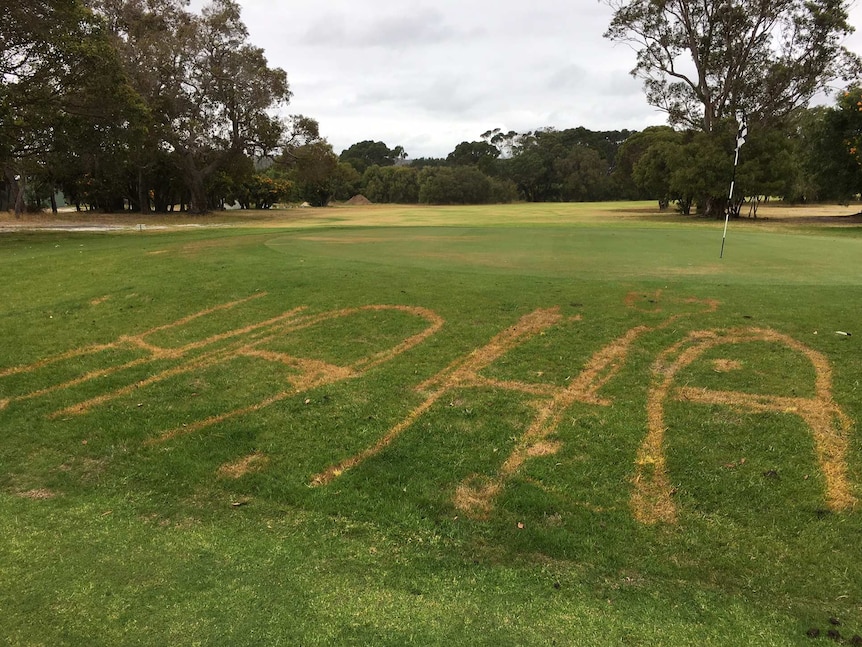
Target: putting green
point(594, 252)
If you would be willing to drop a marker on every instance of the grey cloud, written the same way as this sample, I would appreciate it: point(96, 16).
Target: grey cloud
point(427, 74)
point(420, 28)
point(569, 77)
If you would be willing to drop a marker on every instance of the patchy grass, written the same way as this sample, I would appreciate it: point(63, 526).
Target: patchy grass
point(169, 400)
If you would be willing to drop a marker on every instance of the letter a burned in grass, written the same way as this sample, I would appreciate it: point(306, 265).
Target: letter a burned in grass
point(651, 500)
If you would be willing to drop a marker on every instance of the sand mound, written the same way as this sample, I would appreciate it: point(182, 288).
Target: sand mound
point(358, 199)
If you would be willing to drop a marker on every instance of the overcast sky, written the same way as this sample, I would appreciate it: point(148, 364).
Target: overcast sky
point(429, 74)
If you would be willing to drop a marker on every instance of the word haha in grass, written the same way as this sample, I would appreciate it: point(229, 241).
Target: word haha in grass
point(650, 499)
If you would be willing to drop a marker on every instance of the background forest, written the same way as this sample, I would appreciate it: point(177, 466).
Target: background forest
point(146, 106)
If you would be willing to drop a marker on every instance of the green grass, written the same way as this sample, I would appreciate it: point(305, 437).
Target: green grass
point(111, 536)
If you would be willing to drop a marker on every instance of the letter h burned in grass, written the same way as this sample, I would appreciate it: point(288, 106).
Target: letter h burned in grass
point(476, 494)
point(249, 341)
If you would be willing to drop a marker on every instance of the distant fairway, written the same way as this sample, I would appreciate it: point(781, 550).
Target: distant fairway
point(516, 425)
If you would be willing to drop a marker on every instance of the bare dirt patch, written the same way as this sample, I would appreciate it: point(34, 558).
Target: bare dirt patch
point(475, 496)
point(726, 365)
point(252, 463)
point(826, 214)
point(38, 494)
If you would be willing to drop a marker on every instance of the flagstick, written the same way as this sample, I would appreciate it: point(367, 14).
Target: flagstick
point(741, 134)
point(729, 202)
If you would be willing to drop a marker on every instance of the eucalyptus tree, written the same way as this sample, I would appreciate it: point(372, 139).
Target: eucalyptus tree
point(392, 184)
point(551, 165)
point(152, 38)
point(653, 169)
point(829, 150)
point(454, 185)
point(703, 61)
point(506, 143)
point(222, 106)
point(480, 154)
point(652, 186)
point(313, 170)
point(846, 124)
point(583, 175)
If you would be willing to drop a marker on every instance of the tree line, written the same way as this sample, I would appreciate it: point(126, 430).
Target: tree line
point(813, 157)
point(145, 106)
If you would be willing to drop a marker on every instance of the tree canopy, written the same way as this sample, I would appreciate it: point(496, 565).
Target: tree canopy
point(209, 92)
point(702, 62)
point(367, 153)
point(61, 87)
point(142, 100)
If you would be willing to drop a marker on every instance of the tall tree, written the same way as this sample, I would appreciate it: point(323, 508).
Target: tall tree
point(653, 169)
point(583, 174)
point(554, 165)
point(454, 185)
point(223, 104)
point(846, 122)
point(210, 94)
point(829, 150)
point(152, 39)
point(703, 60)
point(313, 170)
point(506, 143)
point(397, 184)
point(629, 154)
